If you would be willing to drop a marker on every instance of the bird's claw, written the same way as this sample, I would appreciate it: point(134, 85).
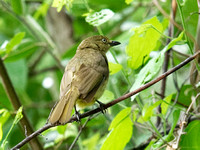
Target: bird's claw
point(77, 114)
point(102, 106)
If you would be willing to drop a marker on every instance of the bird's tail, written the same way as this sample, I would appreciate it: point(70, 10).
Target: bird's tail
point(61, 113)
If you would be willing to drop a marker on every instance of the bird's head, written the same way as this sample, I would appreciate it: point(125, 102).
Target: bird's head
point(97, 42)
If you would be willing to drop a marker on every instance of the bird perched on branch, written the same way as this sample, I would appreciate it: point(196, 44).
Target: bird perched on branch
point(85, 78)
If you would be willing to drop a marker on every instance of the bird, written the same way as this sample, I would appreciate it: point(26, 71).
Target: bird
point(85, 78)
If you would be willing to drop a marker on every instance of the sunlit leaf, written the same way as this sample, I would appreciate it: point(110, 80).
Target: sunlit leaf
point(148, 110)
point(121, 131)
point(1, 131)
point(4, 115)
point(128, 1)
point(143, 42)
point(19, 115)
point(98, 18)
point(164, 106)
point(24, 50)
point(60, 3)
point(62, 129)
point(174, 41)
point(14, 41)
point(114, 68)
point(151, 69)
point(120, 116)
point(42, 10)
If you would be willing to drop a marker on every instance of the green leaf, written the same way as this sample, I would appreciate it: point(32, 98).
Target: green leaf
point(18, 6)
point(120, 116)
point(190, 13)
point(1, 131)
point(185, 95)
point(107, 96)
point(42, 10)
point(164, 105)
point(128, 1)
point(98, 18)
point(90, 143)
point(191, 139)
point(25, 49)
point(122, 128)
point(18, 116)
point(176, 115)
point(4, 115)
point(174, 41)
point(143, 42)
point(135, 113)
point(60, 3)
point(14, 41)
point(148, 110)
point(149, 145)
point(3, 118)
point(62, 129)
point(18, 73)
point(149, 71)
point(114, 68)
point(152, 68)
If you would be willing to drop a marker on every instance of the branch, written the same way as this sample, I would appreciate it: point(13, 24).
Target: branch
point(183, 123)
point(14, 99)
point(94, 111)
point(167, 57)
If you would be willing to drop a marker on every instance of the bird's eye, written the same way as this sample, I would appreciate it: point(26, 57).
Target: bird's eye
point(104, 40)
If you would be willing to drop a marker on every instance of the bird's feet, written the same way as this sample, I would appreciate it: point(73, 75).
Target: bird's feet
point(77, 114)
point(101, 106)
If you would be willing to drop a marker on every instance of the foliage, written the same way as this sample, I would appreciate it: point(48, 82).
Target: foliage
point(30, 50)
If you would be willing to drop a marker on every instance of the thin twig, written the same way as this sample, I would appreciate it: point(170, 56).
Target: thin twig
point(45, 70)
point(79, 133)
point(36, 61)
point(94, 111)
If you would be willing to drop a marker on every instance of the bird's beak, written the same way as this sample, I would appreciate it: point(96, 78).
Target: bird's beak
point(114, 43)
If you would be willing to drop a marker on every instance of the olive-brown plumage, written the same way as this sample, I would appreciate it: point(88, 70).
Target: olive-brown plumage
point(85, 78)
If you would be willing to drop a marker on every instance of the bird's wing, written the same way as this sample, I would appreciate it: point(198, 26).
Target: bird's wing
point(87, 80)
point(83, 84)
point(66, 81)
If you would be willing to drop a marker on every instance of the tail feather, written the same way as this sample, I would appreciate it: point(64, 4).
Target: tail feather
point(62, 111)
